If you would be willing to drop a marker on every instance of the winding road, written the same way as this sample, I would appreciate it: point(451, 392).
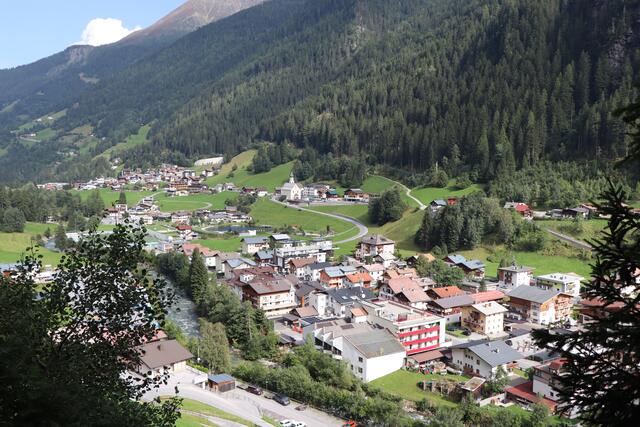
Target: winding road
point(407, 191)
point(362, 229)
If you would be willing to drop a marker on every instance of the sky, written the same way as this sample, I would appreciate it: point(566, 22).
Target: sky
point(34, 29)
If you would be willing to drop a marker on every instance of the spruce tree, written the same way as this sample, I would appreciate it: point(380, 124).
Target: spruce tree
point(198, 276)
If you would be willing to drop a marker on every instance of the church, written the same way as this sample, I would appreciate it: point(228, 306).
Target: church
point(291, 190)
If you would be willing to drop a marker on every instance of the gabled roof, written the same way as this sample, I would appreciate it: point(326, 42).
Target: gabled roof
point(517, 269)
point(299, 263)
point(237, 262)
point(259, 240)
point(359, 277)
point(220, 378)
point(271, 287)
point(453, 302)
point(489, 308)
point(439, 202)
point(305, 311)
point(157, 354)
point(487, 296)
point(386, 256)
point(319, 265)
point(372, 268)
point(409, 288)
point(377, 239)
point(456, 259)
point(264, 255)
point(532, 293)
point(278, 237)
point(346, 295)
point(495, 353)
point(447, 291)
point(473, 264)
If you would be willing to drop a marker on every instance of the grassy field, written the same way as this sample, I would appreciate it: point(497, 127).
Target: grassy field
point(193, 202)
point(243, 178)
point(132, 141)
point(222, 244)
point(377, 184)
point(14, 245)
point(405, 385)
point(201, 408)
point(428, 194)
point(583, 230)
point(110, 197)
point(402, 231)
point(544, 264)
point(188, 420)
point(266, 212)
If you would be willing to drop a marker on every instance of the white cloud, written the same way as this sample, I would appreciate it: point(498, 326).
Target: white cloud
point(101, 31)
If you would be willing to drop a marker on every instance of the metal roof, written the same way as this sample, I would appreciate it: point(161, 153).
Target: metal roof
point(376, 343)
point(495, 353)
point(532, 293)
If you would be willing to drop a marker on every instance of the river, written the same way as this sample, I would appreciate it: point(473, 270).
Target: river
point(183, 312)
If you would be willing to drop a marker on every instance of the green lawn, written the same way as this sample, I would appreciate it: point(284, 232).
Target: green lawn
point(583, 230)
point(428, 194)
point(188, 420)
point(14, 245)
point(405, 385)
point(201, 408)
point(193, 202)
point(110, 197)
point(222, 244)
point(46, 134)
point(544, 264)
point(377, 184)
point(243, 178)
point(266, 212)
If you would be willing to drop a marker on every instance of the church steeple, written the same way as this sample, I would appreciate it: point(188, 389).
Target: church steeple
point(292, 179)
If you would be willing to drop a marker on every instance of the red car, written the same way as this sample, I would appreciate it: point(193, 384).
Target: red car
point(254, 390)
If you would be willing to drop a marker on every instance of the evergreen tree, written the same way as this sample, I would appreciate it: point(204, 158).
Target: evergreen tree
point(94, 205)
point(214, 347)
point(198, 276)
point(122, 198)
point(13, 221)
point(61, 240)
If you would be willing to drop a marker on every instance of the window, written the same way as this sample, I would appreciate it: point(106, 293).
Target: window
point(360, 359)
point(360, 370)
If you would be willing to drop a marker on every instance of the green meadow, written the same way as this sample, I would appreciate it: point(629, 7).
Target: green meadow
point(14, 245)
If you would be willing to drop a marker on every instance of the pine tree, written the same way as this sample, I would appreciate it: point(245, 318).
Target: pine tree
point(198, 276)
point(60, 239)
point(122, 198)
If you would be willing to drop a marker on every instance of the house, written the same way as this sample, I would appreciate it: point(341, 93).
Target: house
point(385, 258)
point(513, 276)
point(209, 255)
point(262, 192)
point(523, 394)
point(376, 271)
point(355, 195)
point(521, 208)
point(313, 271)
point(568, 283)
point(333, 277)
point(544, 388)
point(579, 212)
point(438, 204)
point(413, 260)
point(451, 307)
point(302, 312)
point(180, 217)
point(371, 246)
point(291, 190)
point(405, 291)
point(473, 269)
point(370, 353)
point(313, 294)
point(487, 296)
point(417, 330)
point(296, 266)
point(253, 245)
point(221, 383)
point(263, 258)
point(340, 299)
point(484, 318)
point(361, 279)
point(273, 296)
point(232, 264)
point(316, 249)
point(444, 292)
point(483, 358)
point(163, 356)
point(221, 258)
point(539, 306)
point(473, 286)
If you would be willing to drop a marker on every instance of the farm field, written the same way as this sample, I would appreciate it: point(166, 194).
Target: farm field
point(14, 245)
point(428, 194)
point(243, 178)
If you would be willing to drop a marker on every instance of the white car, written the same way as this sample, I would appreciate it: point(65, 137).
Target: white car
point(287, 423)
point(299, 424)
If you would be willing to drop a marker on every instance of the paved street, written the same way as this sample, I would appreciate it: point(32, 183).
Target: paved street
point(243, 404)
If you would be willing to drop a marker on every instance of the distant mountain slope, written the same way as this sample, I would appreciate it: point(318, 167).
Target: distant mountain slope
point(477, 86)
point(51, 83)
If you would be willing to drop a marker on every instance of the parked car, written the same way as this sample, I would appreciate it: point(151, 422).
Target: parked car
point(286, 423)
point(299, 424)
point(282, 399)
point(466, 333)
point(254, 390)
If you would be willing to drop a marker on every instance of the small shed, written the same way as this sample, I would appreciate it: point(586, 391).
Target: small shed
point(222, 383)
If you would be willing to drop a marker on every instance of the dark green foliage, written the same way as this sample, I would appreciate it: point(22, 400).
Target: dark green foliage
point(214, 347)
point(440, 272)
point(122, 198)
point(496, 383)
point(12, 221)
point(389, 207)
point(272, 155)
point(198, 277)
point(66, 352)
point(60, 238)
point(606, 352)
point(94, 206)
point(175, 266)
point(347, 171)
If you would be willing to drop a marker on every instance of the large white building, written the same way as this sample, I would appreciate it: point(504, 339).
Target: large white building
point(513, 276)
point(369, 352)
point(567, 283)
point(484, 358)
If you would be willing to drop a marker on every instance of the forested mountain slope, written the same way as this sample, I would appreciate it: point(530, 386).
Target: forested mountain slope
point(479, 86)
point(52, 83)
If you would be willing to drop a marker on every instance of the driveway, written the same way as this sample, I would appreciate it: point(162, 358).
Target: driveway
point(241, 403)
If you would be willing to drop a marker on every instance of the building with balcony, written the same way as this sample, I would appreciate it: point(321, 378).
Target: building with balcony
point(373, 246)
point(483, 358)
point(485, 318)
point(513, 276)
point(568, 283)
point(539, 306)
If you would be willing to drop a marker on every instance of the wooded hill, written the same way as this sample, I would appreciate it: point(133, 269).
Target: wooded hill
point(478, 86)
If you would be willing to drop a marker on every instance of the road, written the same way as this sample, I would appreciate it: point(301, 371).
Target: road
point(362, 229)
point(407, 191)
point(238, 402)
point(573, 242)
